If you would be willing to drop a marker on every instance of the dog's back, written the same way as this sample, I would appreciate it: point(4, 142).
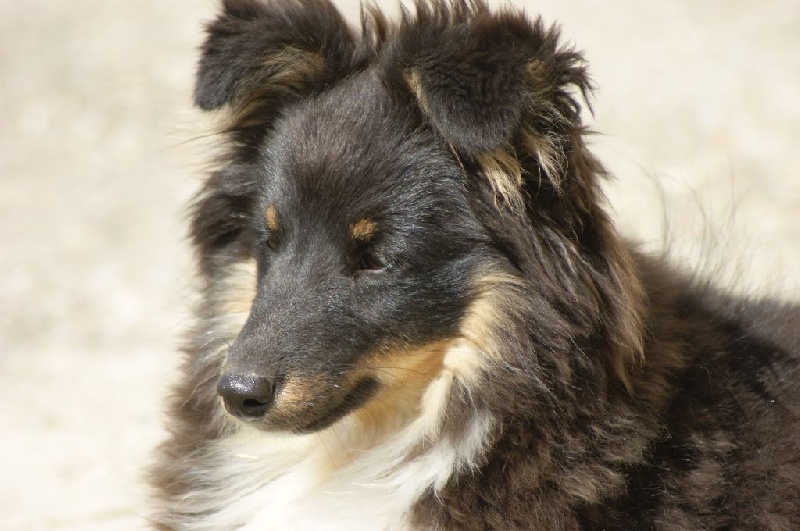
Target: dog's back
point(728, 455)
point(417, 313)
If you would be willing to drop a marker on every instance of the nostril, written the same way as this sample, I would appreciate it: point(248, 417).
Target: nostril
point(254, 408)
point(246, 396)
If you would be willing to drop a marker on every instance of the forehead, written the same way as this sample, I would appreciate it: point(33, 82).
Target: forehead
point(356, 146)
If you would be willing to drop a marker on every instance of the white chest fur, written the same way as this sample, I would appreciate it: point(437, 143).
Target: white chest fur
point(324, 481)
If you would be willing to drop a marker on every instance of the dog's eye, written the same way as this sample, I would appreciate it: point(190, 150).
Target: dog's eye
point(272, 242)
point(370, 262)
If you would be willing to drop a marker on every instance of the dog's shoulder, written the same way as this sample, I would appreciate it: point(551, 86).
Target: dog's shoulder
point(771, 320)
point(730, 443)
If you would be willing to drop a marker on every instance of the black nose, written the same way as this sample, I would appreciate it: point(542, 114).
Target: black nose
point(246, 397)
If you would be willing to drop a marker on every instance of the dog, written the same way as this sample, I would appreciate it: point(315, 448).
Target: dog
point(417, 314)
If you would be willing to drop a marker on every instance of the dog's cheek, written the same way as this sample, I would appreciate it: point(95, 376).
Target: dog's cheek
point(403, 376)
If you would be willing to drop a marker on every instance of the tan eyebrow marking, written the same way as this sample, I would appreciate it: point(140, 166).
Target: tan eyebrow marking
point(363, 230)
point(271, 217)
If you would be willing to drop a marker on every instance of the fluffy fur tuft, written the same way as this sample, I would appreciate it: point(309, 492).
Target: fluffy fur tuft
point(417, 314)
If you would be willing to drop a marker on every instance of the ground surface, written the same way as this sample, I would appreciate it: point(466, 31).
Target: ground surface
point(699, 103)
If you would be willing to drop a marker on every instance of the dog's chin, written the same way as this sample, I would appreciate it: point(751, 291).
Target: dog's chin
point(361, 393)
point(305, 424)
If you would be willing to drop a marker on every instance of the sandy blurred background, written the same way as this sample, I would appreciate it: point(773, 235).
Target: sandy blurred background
point(698, 103)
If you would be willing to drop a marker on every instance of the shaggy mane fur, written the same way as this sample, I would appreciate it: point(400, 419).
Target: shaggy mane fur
point(406, 238)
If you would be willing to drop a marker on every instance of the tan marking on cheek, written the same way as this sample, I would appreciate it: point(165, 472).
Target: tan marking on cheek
point(418, 381)
point(404, 376)
point(271, 218)
point(363, 230)
point(487, 312)
point(491, 313)
point(298, 395)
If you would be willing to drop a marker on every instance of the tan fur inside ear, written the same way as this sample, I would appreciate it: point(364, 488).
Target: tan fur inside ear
point(544, 145)
point(504, 173)
point(292, 67)
point(551, 158)
point(284, 72)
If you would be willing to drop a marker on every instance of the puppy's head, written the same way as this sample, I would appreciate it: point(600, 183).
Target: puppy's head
point(399, 193)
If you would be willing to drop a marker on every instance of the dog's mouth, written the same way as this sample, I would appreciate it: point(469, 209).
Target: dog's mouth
point(360, 394)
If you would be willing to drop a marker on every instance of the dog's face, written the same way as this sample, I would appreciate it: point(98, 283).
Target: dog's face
point(365, 246)
point(385, 187)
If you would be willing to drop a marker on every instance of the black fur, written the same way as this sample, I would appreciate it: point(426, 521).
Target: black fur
point(624, 394)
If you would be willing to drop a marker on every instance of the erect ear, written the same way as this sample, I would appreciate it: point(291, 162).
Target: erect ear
point(268, 52)
point(496, 86)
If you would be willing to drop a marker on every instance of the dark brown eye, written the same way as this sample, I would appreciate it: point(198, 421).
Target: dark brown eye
point(272, 242)
point(370, 262)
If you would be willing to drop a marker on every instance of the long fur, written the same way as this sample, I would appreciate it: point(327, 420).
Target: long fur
point(412, 209)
